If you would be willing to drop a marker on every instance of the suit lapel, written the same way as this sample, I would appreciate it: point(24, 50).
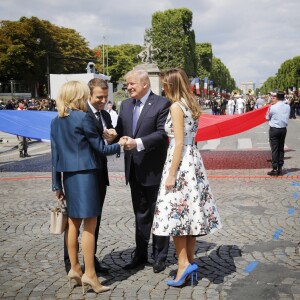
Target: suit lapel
point(97, 122)
point(107, 119)
point(130, 113)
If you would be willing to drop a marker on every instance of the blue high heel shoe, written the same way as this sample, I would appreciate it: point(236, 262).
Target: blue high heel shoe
point(195, 273)
point(190, 270)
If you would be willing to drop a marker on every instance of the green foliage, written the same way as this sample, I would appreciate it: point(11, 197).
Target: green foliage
point(30, 46)
point(204, 56)
point(172, 34)
point(288, 76)
point(221, 75)
point(121, 59)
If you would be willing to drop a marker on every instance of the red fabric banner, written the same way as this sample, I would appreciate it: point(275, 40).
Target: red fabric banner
point(213, 127)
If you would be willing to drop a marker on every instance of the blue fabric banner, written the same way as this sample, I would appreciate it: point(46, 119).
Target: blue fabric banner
point(31, 124)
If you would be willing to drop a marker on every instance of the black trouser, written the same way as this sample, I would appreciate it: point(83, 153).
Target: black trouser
point(144, 201)
point(293, 112)
point(102, 187)
point(277, 138)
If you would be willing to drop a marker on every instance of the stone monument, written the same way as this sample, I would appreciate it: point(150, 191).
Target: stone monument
point(149, 65)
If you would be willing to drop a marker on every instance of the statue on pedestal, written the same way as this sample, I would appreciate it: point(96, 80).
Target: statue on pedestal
point(147, 55)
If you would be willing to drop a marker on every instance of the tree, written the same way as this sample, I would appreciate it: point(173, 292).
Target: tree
point(30, 48)
point(288, 76)
point(172, 34)
point(221, 75)
point(121, 59)
point(204, 59)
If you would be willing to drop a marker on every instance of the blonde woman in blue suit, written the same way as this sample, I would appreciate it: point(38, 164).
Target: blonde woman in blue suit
point(74, 145)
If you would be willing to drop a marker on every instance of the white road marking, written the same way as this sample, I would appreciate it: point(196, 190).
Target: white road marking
point(244, 144)
point(211, 144)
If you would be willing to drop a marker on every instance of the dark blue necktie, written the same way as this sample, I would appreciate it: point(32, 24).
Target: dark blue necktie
point(136, 114)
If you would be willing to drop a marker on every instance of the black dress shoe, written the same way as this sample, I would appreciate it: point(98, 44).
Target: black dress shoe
point(136, 262)
point(273, 173)
point(159, 266)
point(100, 267)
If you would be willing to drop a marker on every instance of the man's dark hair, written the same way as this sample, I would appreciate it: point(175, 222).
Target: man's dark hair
point(97, 82)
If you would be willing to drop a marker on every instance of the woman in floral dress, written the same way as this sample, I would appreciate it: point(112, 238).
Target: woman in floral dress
point(185, 207)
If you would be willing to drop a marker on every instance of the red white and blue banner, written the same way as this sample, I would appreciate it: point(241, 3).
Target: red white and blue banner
point(211, 87)
point(36, 124)
point(195, 84)
point(205, 85)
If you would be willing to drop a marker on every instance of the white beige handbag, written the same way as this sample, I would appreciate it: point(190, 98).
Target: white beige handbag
point(58, 218)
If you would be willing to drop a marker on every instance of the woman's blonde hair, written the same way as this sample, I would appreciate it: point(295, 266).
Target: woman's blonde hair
point(72, 95)
point(176, 86)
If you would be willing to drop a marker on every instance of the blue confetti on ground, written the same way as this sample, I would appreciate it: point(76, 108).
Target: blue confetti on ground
point(291, 210)
point(251, 267)
point(277, 234)
point(296, 195)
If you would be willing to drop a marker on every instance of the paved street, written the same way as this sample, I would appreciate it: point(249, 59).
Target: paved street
point(254, 256)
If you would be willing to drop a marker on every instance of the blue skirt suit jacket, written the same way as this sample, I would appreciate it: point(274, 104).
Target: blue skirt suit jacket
point(75, 145)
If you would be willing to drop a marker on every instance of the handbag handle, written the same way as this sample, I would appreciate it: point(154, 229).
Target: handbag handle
point(60, 207)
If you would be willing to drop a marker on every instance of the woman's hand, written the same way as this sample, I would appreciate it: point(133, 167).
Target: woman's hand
point(170, 182)
point(123, 141)
point(60, 195)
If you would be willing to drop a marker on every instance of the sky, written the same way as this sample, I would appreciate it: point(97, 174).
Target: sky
point(251, 37)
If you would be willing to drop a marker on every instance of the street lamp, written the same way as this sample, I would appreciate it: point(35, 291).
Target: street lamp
point(12, 88)
point(103, 55)
point(48, 76)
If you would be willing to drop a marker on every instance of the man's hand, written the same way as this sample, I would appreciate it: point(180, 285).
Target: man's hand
point(130, 144)
point(109, 135)
point(123, 141)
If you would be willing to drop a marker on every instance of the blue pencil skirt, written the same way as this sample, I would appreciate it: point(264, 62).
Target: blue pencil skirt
point(82, 193)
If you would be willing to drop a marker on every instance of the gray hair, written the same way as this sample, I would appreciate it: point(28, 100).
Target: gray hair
point(141, 75)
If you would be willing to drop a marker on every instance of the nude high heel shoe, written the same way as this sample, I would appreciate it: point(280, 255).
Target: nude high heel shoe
point(74, 275)
point(96, 288)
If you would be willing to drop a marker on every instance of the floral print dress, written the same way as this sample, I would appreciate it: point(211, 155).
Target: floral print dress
point(189, 208)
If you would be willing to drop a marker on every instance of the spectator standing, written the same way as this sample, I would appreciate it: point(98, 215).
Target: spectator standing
point(278, 116)
point(113, 114)
point(32, 105)
point(259, 103)
point(23, 141)
point(240, 103)
point(9, 105)
point(293, 108)
point(230, 106)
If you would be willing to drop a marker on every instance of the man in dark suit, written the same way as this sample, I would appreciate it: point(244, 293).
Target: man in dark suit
point(95, 108)
point(142, 119)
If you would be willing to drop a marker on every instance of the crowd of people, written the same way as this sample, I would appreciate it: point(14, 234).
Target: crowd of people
point(237, 104)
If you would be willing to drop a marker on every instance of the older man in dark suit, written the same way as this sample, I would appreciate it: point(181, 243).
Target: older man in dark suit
point(96, 108)
point(142, 119)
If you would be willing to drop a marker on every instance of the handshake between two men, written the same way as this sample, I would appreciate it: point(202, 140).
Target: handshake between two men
point(125, 141)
